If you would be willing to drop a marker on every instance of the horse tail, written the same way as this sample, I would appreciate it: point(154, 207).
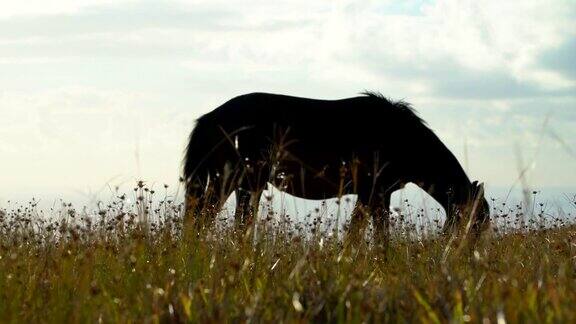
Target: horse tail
point(197, 153)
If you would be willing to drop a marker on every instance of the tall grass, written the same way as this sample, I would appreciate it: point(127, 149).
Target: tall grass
point(127, 262)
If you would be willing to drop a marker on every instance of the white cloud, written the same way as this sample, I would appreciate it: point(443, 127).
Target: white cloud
point(81, 136)
point(80, 76)
point(481, 38)
point(476, 38)
point(51, 7)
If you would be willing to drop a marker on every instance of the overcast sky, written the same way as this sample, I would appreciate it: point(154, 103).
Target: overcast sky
point(95, 92)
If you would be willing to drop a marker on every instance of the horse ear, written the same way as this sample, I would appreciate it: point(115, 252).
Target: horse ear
point(474, 184)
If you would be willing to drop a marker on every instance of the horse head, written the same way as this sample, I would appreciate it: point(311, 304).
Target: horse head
point(471, 207)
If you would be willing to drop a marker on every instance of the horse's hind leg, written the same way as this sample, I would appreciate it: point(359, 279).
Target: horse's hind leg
point(381, 220)
point(255, 202)
point(357, 222)
point(242, 213)
point(247, 203)
point(202, 204)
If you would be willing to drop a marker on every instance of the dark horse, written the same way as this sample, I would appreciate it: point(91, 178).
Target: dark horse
point(318, 149)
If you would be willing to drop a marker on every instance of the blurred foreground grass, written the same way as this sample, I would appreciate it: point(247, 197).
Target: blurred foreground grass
point(114, 265)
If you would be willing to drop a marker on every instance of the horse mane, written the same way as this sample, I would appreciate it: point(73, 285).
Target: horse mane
point(400, 105)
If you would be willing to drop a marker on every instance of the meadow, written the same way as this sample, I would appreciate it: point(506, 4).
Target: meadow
point(135, 262)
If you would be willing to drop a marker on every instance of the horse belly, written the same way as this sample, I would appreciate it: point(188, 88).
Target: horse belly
point(311, 188)
point(311, 178)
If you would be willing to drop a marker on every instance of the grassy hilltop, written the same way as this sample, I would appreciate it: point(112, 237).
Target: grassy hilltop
point(114, 266)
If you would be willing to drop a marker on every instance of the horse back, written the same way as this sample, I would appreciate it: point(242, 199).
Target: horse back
point(310, 139)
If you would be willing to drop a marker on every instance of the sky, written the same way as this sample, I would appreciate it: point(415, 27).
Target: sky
point(100, 93)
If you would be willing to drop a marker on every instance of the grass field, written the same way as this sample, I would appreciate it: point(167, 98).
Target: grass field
point(115, 266)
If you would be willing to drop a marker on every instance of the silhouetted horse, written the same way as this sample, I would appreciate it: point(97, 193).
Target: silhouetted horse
point(318, 149)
